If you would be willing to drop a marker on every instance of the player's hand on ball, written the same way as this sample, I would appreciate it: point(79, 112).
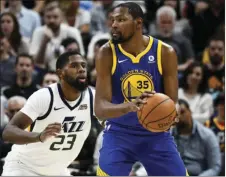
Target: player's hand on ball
point(50, 131)
point(140, 100)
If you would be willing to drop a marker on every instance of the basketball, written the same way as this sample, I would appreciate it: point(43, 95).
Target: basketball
point(158, 114)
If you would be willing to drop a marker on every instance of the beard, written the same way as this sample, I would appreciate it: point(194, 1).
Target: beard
point(120, 39)
point(181, 125)
point(215, 60)
point(75, 83)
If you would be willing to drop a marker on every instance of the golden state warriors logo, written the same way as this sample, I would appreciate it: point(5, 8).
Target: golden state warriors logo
point(134, 83)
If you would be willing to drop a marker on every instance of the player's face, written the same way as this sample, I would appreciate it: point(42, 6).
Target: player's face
point(195, 77)
point(216, 52)
point(123, 26)
point(75, 72)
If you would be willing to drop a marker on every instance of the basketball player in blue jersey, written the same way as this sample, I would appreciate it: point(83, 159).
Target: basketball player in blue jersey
point(130, 68)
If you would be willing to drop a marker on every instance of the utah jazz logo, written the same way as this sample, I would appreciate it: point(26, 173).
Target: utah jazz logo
point(135, 83)
point(69, 126)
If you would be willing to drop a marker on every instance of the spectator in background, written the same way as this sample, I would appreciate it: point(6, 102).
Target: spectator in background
point(180, 21)
point(11, 30)
point(49, 78)
point(99, 15)
point(193, 90)
point(166, 19)
point(14, 104)
point(28, 19)
point(205, 24)
point(214, 67)
point(76, 16)
point(70, 44)
point(91, 62)
point(99, 36)
point(24, 85)
point(198, 146)
point(7, 63)
point(45, 44)
point(3, 117)
point(217, 124)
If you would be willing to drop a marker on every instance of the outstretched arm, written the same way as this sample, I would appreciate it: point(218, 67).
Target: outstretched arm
point(14, 131)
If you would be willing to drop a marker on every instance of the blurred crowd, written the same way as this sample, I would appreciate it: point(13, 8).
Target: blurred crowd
point(33, 33)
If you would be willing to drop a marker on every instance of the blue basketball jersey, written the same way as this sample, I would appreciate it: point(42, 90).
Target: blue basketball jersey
point(131, 76)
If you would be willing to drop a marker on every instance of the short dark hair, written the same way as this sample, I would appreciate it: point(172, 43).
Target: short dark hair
point(64, 58)
point(50, 72)
point(24, 55)
point(69, 40)
point(216, 37)
point(184, 102)
point(133, 8)
point(220, 99)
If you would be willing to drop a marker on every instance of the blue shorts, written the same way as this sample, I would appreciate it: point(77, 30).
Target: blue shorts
point(158, 154)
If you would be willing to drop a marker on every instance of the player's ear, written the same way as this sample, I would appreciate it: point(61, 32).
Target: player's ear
point(139, 22)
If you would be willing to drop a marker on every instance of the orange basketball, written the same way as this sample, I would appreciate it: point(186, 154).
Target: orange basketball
point(158, 114)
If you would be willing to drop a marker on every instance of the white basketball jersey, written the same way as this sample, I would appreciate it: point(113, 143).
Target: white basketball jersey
point(55, 154)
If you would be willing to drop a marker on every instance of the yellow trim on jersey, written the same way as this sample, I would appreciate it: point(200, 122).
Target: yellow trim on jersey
point(138, 57)
point(114, 62)
point(101, 172)
point(159, 56)
point(187, 173)
point(219, 126)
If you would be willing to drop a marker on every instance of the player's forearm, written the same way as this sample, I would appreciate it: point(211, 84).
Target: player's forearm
point(16, 135)
point(107, 110)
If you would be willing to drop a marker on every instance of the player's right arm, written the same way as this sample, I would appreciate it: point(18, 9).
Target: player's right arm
point(15, 132)
point(103, 107)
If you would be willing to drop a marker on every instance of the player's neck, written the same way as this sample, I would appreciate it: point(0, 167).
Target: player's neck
point(135, 46)
point(70, 93)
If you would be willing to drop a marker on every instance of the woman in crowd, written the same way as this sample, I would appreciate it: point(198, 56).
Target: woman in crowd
point(9, 28)
point(193, 90)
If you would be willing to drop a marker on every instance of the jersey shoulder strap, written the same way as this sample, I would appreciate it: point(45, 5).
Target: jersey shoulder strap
point(50, 105)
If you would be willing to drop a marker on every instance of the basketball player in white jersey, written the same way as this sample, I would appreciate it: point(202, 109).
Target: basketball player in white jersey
point(49, 131)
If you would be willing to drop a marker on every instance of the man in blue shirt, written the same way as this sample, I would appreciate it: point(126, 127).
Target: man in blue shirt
point(197, 144)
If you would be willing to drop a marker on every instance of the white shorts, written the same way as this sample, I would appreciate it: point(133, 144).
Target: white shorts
point(18, 169)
